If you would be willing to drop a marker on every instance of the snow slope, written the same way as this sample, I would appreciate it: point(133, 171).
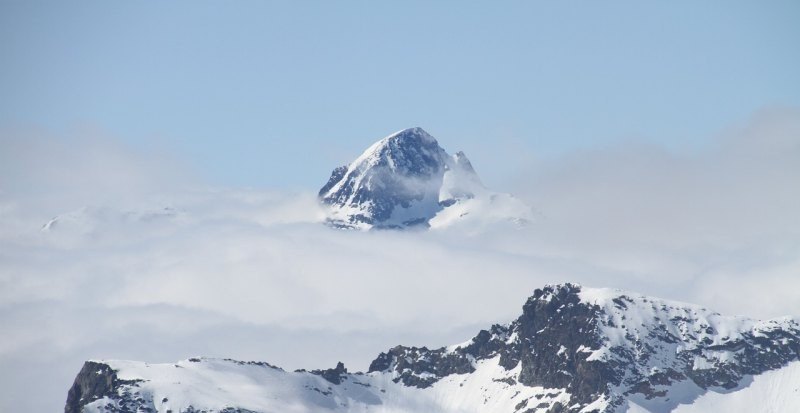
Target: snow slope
point(775, 391)
point(216, 385)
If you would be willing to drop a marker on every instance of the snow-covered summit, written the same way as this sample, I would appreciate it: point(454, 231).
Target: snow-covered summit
point(573, 349)
point(406, 179)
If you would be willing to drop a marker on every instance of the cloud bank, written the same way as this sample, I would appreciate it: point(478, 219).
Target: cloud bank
point(142, 261)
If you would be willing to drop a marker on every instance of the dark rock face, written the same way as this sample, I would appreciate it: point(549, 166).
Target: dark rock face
point(336, 176)
point(552, 332)
point(94, 381)
point(420, 367)
point(334, 375)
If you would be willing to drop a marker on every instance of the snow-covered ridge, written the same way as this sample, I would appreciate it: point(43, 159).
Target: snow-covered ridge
point(573, 349)
point(626, 315)
point(407, 180)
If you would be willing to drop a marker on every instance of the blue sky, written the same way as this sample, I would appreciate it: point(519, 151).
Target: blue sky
point(276, 94)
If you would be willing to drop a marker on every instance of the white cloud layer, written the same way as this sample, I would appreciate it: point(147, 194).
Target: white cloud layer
point(144, 263)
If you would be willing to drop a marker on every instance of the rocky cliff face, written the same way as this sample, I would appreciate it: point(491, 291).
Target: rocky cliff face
point(571, 350)
point(95, 381)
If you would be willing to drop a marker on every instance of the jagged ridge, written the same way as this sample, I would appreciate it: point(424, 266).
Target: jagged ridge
point(610, 344)
point(572, 350)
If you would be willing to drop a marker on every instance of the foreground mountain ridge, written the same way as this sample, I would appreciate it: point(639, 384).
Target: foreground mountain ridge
point(407, 180)
point(573, 349)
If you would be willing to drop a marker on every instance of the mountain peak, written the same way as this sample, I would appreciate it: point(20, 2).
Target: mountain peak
point(412, 133)
point(404, 180)
point(556, 291)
